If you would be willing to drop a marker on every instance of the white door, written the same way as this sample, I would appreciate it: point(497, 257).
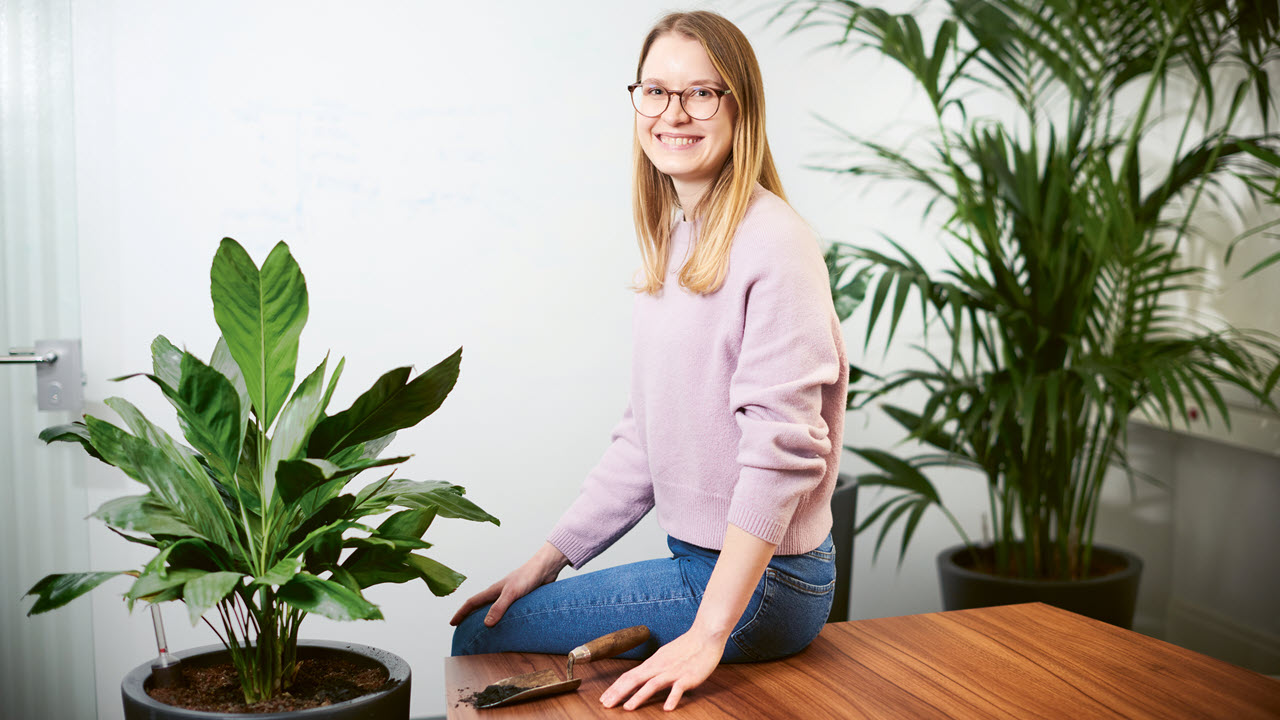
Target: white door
point(46, 661)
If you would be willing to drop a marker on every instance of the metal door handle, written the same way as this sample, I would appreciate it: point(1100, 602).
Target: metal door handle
point(59, 382)
point(28, 356)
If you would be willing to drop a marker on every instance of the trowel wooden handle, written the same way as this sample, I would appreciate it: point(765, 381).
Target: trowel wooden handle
point(609, 645)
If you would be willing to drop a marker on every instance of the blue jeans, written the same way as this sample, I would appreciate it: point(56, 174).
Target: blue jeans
point(787, 609)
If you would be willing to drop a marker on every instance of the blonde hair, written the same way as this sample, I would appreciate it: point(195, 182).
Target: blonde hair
point(722, 207)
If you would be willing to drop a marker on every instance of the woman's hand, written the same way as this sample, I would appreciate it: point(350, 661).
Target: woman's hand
point(544, 567)
point(682, 664)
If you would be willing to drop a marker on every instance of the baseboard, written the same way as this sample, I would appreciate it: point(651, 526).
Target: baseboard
point(1217, 635)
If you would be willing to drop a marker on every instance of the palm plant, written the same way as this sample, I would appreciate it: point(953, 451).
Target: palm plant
point(1062, 228)
point(252, 519)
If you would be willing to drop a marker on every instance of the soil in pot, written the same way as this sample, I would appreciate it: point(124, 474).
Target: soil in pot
point(322, 680)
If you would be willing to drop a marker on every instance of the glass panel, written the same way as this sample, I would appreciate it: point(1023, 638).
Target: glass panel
point(48, 659)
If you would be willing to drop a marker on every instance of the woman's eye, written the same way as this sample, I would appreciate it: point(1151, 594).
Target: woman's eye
point(699, 92)
point(654, 90)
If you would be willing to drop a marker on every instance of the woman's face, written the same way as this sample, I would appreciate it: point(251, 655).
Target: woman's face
point(690, 151)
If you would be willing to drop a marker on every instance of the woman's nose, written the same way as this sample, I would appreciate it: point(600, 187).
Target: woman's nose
point(675, 114)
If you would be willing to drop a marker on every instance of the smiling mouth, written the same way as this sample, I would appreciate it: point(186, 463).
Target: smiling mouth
point(680, 143)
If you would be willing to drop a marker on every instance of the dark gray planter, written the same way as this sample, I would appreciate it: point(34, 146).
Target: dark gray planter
point(391, 703)
point(1110, 598)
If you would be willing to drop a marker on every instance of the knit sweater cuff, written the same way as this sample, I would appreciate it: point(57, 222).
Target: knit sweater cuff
point(764, 506)
point(574, 548)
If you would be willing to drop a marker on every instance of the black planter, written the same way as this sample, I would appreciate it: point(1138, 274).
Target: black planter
point(1110, 598)
point(391, 703)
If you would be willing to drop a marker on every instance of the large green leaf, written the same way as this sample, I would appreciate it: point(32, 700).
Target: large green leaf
point(297, 477)
point(296, 423)
point(373, 566)
point(393, 403)
point(75, 432)
point(222, 361)
point(54, 591)
point(280, 573)
point(204, 592)
point(152, 434)
point(261, 315)
point(297, 420)
point(309, 593)
point(208, 412)
point(153, 581)
point(141, 513)
point(195, 501)
point(443, 497)
point(440, 579)
point(166, 361)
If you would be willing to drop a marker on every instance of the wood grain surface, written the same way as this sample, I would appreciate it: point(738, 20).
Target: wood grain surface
point(1019, 661)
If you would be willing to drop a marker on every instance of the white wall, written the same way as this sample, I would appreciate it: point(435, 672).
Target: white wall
point(446, 174)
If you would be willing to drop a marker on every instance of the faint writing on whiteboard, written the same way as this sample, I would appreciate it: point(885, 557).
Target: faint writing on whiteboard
point(332, 162)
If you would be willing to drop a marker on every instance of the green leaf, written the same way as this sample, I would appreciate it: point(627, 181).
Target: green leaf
point(141, 513)
point(73, 432)
point(900, 473)
point(280, 573)
point(311, 594)
point(204, 592)
point(166, 361)
point(374, 542)
point(443, 497)
point(440, 579)
point(297, 420)
point(153, 581)
point(208, 412)
point(261, 315)
point(373, 566)
point(390, 405)
point(150, 433)
point(195, 501)
point(294, 478)
point(54, 591)
point(225, 364)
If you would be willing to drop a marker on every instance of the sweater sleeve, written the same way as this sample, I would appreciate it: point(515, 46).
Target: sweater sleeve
point(790, 351)
point(616, 494)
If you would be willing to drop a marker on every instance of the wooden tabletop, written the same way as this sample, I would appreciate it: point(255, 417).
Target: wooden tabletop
point(1018, 661)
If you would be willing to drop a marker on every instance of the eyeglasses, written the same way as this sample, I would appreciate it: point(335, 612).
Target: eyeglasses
point(699, 103)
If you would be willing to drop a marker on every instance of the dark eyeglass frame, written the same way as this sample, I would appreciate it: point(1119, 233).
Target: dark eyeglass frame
point(631, 90)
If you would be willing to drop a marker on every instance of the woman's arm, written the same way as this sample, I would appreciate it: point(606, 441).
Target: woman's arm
point(687, 661)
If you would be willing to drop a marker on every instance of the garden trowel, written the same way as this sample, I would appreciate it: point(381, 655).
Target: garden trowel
point(547, 682)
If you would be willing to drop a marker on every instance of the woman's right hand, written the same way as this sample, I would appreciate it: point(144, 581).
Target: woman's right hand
point(544, 567)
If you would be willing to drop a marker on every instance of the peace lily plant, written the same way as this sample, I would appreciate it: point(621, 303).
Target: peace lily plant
point(254, 519)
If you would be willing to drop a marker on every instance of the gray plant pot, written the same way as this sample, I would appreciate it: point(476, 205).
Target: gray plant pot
point(391, 703)
point(1110, 598)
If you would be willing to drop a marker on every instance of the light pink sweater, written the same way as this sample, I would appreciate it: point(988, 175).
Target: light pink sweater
point(737, 402)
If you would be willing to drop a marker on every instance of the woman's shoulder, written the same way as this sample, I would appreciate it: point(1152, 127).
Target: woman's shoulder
point(771, 226)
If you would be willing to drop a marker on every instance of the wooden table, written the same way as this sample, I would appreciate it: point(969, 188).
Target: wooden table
point(1019, 661)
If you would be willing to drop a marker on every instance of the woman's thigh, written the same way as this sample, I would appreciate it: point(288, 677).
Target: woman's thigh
point(555, 618)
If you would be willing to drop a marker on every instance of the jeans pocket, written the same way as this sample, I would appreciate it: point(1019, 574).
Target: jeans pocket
point(790, 615)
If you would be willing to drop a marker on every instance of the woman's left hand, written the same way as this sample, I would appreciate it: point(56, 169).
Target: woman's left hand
point(682, 664)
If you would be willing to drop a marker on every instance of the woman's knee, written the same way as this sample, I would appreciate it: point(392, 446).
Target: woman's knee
point(468, 631)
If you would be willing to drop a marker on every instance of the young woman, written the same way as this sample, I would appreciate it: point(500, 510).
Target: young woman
point(733, 431)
